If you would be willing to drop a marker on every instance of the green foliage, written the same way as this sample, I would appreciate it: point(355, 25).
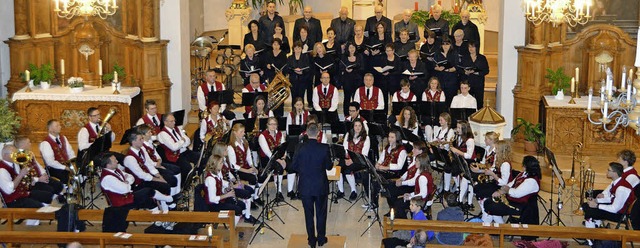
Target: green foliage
point(558, 80)
point(44, 73)
point(531, 133)
point(420, 17)
point(9, 121)
point(257, 4)
point(121, 74)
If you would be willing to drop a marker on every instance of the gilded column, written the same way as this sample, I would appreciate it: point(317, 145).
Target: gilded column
point(21, 20)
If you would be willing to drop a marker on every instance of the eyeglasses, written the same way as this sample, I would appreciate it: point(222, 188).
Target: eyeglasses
point(96, 115)
point(351, 110)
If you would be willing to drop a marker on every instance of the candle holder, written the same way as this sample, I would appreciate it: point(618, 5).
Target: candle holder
point(115, 87)
point(28, 88)
point(572, 101)
point(100, 83)
point(62, 82)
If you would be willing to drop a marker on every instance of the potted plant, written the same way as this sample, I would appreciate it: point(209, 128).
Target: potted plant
point(558, 81)
point(534, 138)
point(420, 17)
point(41, 75)
point(9, 123)
point(76, 84)
point(116, 76)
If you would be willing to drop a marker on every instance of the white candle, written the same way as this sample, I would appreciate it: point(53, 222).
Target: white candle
point(392, 215)
point(100, 67)
point(577, 74)
point(629, 93)
point(623, 84)
point(27, 75)
point(115, 76)
point(62, 66)
point(573, 85)
point(637, 63)
point(210, 231)
point(606, 110)
point(590, 99)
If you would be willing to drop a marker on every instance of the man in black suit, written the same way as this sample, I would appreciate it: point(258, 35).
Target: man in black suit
point(343, 27)
point(470, 29)
point(311, 162)
point(370, 26)
point(314, 28)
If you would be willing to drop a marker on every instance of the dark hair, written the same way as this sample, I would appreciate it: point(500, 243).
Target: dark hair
point(425, 164)
point(50, 122)
point(532, 166)
point(106, 159)
point(254, 109)
point(418, 201)
point(312, 130)
point(150, 102)
point(312, 118)
point(352, 132)
point(466, 83)
point(330, 29)
point(383, 25)
point(166, 116)
point(347, 48)
point(390, 45)
point(419, 145)
point(446, 39)
point(452, 200)
point(466, 132)
point(303, 26)
point(277, 24)
point(132, 137)
point(627, 155)
point(398, 137)
point(293, 110)
point(616, 167)
point(211, 104)
point(355, 105)
point(142, 129)
point(430, 34)
point(472, 43)
point(253, 22)
point(277, 40)
point(90, 110)
point(297, 44)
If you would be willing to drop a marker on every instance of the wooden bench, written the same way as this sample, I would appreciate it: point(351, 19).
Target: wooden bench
point(507, 230)
point(103, 239)
point(12, 214)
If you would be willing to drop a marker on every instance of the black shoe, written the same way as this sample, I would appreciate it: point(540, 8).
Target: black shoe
point(298, 196)
point(339, 195)
point(62, 200)
point(177, 197)
point(252, 220)
point(387, 214)
point(254, 206)
point(259, 202)
point(279, 197)
point(291, 195)
point(321, 243)
point(353, 196)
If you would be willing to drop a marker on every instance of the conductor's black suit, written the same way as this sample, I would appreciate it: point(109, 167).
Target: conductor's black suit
point(311, 162)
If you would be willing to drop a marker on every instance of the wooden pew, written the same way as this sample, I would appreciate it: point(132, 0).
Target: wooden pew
point(103, 239)
point(507, 230)
point(12, 214)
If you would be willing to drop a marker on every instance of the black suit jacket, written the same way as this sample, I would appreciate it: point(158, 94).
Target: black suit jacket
point(311, 162)
point(314, 30)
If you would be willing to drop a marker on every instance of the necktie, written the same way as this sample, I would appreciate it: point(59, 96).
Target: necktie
point(299, 119)
point(255, 90)
point(141, 155)
point(175, 134)
point(368, 93)
point(58, 141)
point(155, 121)
point(325, 91)
point(97, 128)
point(211, 90)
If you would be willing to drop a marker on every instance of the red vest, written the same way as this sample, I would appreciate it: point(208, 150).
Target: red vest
point(140, 163)
point(401, 99)
point(155, 129)
point(92, 133)
point(241, 156)
point(304, 117)
point(463, 148)
point(271, 141)
point(211, 126)
point(116, 199)
point(368, 104)
point(433, 98)
point(36, 167)
point(151, 151)
point(250, 89)
point(392, 157)
point(412, 170)
point(226, 167)
point(325, 101)
point(629, 173)
point(59, 152)
point(355, 147)
point(218, 188)
point(430, 186)
point(172, 156)
point(520, 180)
point(630, 199)
point(19, 192)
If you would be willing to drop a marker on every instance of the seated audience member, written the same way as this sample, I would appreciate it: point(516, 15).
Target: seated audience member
point(451, 212)
point(405, 237)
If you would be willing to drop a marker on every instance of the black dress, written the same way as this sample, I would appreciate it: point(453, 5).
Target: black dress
point(285, 47)
point(448, 80)
point(476, 79)
point(351, 81)
point(299, 82)
point(419, 84)
point(389, 83)
point(326, 63)
point(250, 64)
point(427, 52)
point(259, 43)
point(334, 53)
point(402, 49)
point(274, 61)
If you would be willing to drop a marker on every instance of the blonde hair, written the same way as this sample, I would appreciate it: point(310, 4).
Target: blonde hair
point(249, 46)
point(213, 164)
point(319, 46)
point(219, 149)
point(493, 136)
point(503, 153)
point(233, 138)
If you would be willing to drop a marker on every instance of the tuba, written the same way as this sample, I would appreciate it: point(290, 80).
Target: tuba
point(112, 112)
point(23, 158)
point(279, 90)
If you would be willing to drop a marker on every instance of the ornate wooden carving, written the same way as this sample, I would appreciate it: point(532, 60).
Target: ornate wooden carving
point(42, 37)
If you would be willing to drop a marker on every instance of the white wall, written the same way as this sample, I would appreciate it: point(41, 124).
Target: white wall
point(214, 18)
point(512, 33)
point(196, 17)
point(493, 9)
point(174, 19)
point(7, 30)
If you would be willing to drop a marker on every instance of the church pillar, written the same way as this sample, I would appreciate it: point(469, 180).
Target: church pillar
point(149, 21)
point(511, 34)
point(21, 20)
point(6, 31)
point(177, 50)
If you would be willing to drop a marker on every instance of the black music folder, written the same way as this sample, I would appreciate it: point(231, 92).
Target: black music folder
point(222, 97)
point(432, 111)
point(249, 97)
point(460, 114)
point(296, 130)
point(250, 123)
point(396, 107)
point(377, 116)
point(325, 116)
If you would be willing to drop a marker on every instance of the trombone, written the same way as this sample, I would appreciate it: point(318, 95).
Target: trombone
point(587, 179)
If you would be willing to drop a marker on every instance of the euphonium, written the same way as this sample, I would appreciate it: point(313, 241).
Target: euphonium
point(23, 158)
point(279, 90)
point(112, 112)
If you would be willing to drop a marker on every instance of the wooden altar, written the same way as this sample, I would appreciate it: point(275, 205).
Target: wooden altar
point(129, 38)
point(39, 106)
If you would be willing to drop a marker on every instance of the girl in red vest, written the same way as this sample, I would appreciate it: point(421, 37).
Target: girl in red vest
point(424, 187)
point(356, 141)
point(298, 115)
point(241, 160)
point(218, 193)
point(268, 141)
point(464, 146)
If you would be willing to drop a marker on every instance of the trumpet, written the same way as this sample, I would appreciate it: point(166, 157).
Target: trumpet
point(23, 158)
point(112, 112)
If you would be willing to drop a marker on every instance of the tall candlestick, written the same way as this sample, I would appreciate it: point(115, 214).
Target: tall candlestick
point(27, 75)
point(578, 75)
point(629, 94)
point(605, 110)
point(590, 99)
point(62, 66)
point(115, 76)
point(100, 67)
point(623, 84)
point(573, 85)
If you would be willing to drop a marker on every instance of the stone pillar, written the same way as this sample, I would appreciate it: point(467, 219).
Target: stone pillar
point(512, 33)
point(177, 50)
point(21, 19)
point(237, 18)
point(149, 21)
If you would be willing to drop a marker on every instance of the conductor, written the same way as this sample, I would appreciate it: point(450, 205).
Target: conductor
point(311, 162)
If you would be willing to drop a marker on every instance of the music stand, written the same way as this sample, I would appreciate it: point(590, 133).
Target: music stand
point(101, 145)
point(334, 174)
point(326, 116)
point(341, 127)
point(460, 114)
point(557, 173)
point(222, 97)
point(432, 111)
point(373, 173)
point(396, 107)
point(248, 98)
point(282, 123)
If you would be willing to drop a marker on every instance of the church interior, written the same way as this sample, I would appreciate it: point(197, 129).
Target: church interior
point(560, 86)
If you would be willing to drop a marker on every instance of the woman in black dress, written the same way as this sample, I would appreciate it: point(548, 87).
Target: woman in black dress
point(299, 75)
point(415, 71)
point(474, 68)
point(333, 50)
point(304, 39)
point(428, 50)
point(446, 60)
point(351, 71)
point(322, 62)
point(389, 80)
point(250, 64)
point(254, 37)
point(275, 61)
point(277, 33)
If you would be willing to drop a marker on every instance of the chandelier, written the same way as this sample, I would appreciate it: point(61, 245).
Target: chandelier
point(572, 12)
point(617, 111)
point(71, 8)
